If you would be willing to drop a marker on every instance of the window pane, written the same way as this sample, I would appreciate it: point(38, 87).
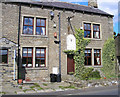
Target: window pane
point(95, 61)
point(38, 30)
point(29, 62)
point(42, 30)
point(4, 58)
point(30, 30)
point(98, 51)
point(98, 28)
point(85, 61)
point(42, 53)
point(85, 33)
point(38, 22)
point(29, 52)
point(26, 21)
point(85, 51)
point(37, 64)
point(88, 34)
point(98, 61)
point(96, 34)
point(24, 61)
point(42, 22)
point(85, 27)
point(24, 52)
point(88, 26)
point(42, 62)
point(89, 61)
point(30, 21)
point(4, 52)
point(25, 29)
point(95, 51)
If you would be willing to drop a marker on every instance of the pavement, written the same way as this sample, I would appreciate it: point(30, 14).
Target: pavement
point(47, 88)
point(109, 90)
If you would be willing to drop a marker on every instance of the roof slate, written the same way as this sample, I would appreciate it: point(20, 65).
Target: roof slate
point(65, 5)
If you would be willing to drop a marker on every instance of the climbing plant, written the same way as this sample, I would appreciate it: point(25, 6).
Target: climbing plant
point(108, 58)
point(79, 56)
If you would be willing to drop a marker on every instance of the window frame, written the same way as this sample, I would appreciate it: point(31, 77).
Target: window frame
point(87, 29)
point(1, 57)
point(40, 25)
point(95, 57)
point(96, 31)
point(88, 57)
point(28, 25)
point(40, 56)
point(27, 57)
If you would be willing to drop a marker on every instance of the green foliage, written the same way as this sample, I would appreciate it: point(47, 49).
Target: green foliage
point(69, 52)
point(66, 87)
point(108, 57)
point(95, 74)
point(20, 87)
point(44, 84)
point(81, 43)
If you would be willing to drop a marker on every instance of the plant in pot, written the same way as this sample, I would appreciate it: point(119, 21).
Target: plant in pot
point(20, 80)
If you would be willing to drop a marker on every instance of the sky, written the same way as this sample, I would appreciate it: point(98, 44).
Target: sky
point(109, 6)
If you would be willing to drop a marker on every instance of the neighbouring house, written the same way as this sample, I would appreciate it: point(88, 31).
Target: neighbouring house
point(34, 27)
point(117, 43)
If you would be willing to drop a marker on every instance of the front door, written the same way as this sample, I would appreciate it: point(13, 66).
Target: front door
point(70, 64)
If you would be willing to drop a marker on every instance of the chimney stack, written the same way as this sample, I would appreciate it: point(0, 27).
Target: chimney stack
point(92, 3)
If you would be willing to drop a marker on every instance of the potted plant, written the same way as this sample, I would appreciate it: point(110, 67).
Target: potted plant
point(20, 80)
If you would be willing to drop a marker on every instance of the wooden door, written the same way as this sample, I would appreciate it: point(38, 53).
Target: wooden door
point(70, 64)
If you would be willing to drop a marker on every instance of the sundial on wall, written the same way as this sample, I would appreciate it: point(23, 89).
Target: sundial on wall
point(71, 42)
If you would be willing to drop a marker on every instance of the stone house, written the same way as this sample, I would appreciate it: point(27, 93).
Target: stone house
point(37, 26)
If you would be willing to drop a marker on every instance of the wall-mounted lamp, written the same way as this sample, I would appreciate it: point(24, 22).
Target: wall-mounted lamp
point(52, 15)
point(54, 26)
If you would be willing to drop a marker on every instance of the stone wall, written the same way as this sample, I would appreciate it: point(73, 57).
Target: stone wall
point(10, 29)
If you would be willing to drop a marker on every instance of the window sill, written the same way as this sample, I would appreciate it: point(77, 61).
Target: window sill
point(42, 36)
point(94, 39)
point(3, 64)
point(99, 66)
point(37, 68)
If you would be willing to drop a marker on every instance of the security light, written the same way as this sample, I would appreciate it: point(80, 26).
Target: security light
point(52, 15)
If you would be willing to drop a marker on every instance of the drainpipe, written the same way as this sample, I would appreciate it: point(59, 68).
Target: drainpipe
point(59, 45)
point(14, 63)
point(19, 39)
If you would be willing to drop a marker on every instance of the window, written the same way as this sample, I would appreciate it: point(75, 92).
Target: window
point(88, 57)
point(96, 31)
point(27, 57)
point(28, 25)
point(4, 56)
point(87, 30)
point(40, 57)
point(40, 26)
point(97, 57)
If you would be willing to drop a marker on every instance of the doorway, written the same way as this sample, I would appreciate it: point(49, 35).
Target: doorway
point(70, 64)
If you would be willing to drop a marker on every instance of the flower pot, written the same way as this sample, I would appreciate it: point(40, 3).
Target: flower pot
point(20, 81)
